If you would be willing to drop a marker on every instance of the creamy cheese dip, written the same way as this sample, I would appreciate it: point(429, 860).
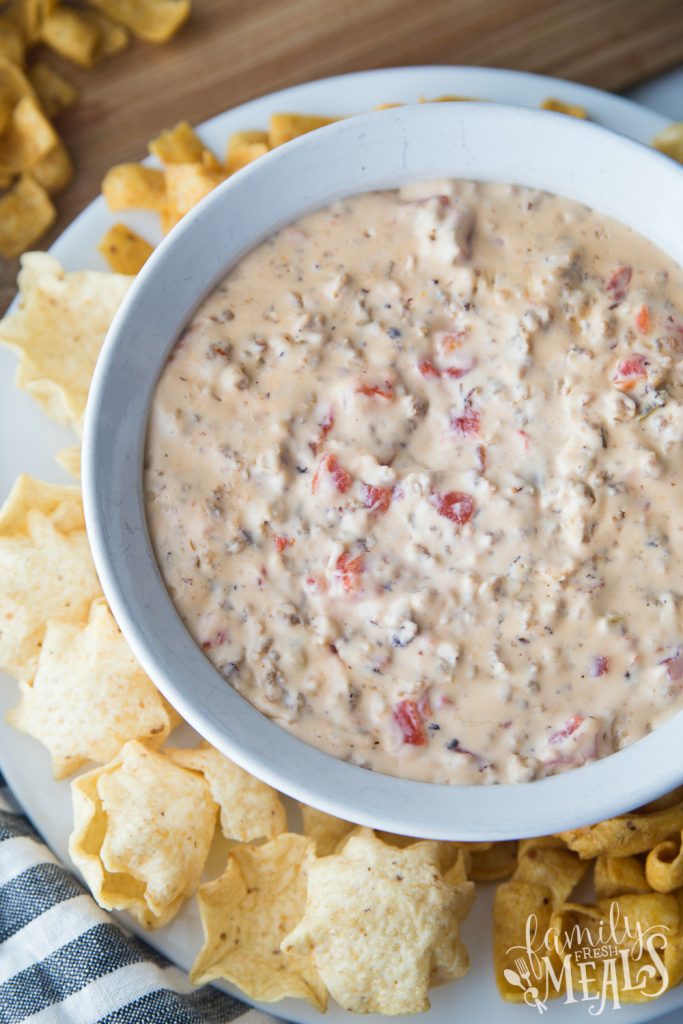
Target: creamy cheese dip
point(412, 478)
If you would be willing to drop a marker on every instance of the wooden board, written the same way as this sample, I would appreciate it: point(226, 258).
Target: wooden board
point(233, 50)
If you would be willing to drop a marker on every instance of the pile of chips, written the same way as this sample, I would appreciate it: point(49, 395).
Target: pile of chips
point(34, 162)
point(327, 909)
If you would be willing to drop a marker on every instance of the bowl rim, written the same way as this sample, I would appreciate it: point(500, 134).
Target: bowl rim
point(351, 156)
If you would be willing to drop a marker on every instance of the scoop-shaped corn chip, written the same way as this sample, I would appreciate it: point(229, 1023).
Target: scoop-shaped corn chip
point(89, 695)
point(250, 809)
point(125, 250)
point(243, 147)
point(55, 170)
point(70, 460)
point(72, 35)
point(114, 37)
point(58, 329)
point(560, 107)
point(285, 127)
point(247, 912)
point(619, 876)
point(156, 21)
point(545, 876)
point(186, 185)
point(26, 213)
point(46, 570)
point(325, 830)
point(29, 16)
point(142, 831)
point(664, 865)
point(134, 186)
point(12, 45)
point(28, 137)
point(558, 870)
point(55, 92)
point(179, 145)
point(638, 976)
point(493, 864)
point(382, 925)
point(515, 903)
point(670, 141)
point(626, 835)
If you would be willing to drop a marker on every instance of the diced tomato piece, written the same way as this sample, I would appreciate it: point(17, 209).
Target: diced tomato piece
point(600, 665)
point(526, 440)
point(382, 391)
point(674, 666)
point(468, 424)
point(456, 372)
point(618, 284)
point(377, 499)
point(427, 368)
point(409, 720)
point(340, 477)
point(456, 506)
point(568, 729)
point(630, 370)
point(281, 542)
point(448, 342)
point(643, 319)
point(215, 641)
point(349, 570)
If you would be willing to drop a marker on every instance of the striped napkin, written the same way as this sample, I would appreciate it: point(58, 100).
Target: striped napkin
point(63, 960)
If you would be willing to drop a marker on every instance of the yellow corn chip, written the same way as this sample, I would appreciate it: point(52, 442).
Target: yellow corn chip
point(142, 831)
point(29, 16)
point(545, 876)
point(285, 127)
point(156, 21)
point(70, 460)
point(493, 864)
point(46, 569)
point(515, 903)
point(325, 830)
point(655, 915)
point(58, 329)
point(179, 145)
point(28, 138)
point(55, 170)
point(250, 809)
point(114, 37)
point(664, 865)
point(670, 141)
point(243, 147)
point(134, 186)
point(458, 871)
point(89, 695)
point(382, 925)
point(564, 108)
point(12, 45)
point(618, 876)
point(247, 912)
point(26, 213)
point(187, 184)
point(626, 835)
point(54, 91)
point(69, 33)
point(125, 251)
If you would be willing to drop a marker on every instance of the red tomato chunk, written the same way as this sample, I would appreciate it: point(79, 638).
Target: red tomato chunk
point(409, 720)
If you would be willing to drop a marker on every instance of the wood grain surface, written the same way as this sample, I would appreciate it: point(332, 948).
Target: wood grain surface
point(234, 50)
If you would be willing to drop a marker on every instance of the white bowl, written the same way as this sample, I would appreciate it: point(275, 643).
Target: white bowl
point(481, 141)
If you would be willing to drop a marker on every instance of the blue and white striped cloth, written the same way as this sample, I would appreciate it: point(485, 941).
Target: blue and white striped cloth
point(63, 960)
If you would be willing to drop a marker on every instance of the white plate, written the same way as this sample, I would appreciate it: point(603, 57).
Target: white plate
point(30, 442)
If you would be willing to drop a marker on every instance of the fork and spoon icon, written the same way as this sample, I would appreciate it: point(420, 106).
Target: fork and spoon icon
point(521, 978)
